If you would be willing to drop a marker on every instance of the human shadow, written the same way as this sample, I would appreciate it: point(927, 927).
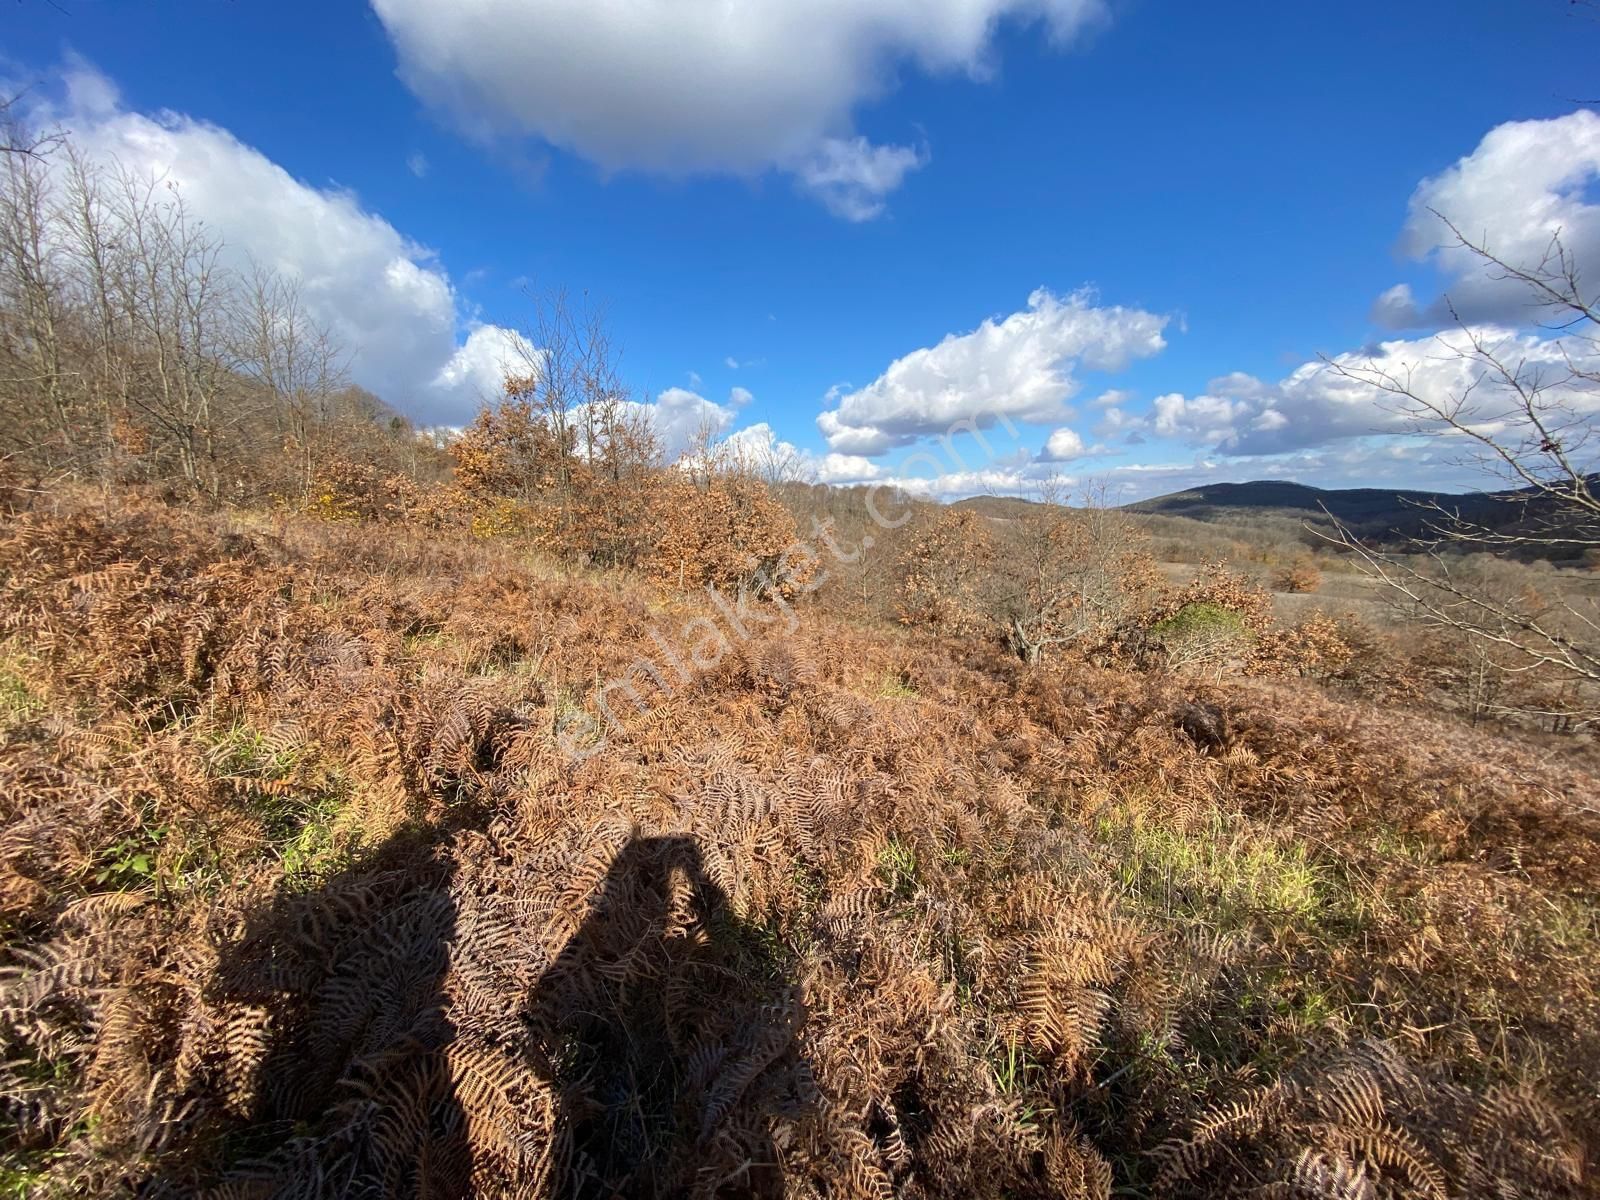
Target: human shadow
point(667, 1028)
point(330, 1068)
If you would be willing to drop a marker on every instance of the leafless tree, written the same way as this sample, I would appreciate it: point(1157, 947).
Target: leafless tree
point(567, 361)
point(17, 138)
point(1532, 425)
point(33, 305)
point(97, 276)
point(707, 455)
point(778, 463)
point(297, 362)
point(1073, 575)
point(131, 350)
point(177, 293)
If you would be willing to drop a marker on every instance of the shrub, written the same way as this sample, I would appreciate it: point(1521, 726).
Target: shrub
point(1202, 635)
point(1316, 647)
point(1219, 586)
point(1069, 578)
point(727, 531)
point(1300, 576)
point(346, 491)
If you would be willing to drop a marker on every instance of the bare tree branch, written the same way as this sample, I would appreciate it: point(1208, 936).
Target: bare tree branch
point(1534, 426)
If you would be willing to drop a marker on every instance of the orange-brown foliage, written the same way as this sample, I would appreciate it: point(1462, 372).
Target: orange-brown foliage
point(944, 575)
point(726, 531)
point(1317, 647)
point(1300, 576)
point(319, 881)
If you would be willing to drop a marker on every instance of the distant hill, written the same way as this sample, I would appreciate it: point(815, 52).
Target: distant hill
point(997, 508)
point(1383, 514)
point(1375, 513)
point(1375, 510)
point(1370, 509)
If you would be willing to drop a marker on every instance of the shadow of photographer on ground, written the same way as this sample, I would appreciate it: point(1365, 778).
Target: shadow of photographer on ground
point(668, 1027)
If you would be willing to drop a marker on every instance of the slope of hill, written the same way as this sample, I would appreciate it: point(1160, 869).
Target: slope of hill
point(1376, 509)
point(999, 508)
point(325, 874)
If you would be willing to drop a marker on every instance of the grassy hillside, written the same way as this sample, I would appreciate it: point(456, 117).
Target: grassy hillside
point(324, 874)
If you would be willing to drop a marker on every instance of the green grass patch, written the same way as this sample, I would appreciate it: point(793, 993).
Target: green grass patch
point(1229, 875)
point(1571, 924)
point(897, 867)
point(1392, 843)
point(1014, 1068)
point(425, 640)
point(1200, 621)
point(296, 823)
point(26, 1176)
point(297, 799)
point(896, 687)
point(131, 862)
point(241, 750)
point(1019, 1075)
point(311, 847)
point(17, 701)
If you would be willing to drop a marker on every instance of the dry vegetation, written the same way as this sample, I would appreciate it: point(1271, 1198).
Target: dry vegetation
point(523, 814)
point(303, 897)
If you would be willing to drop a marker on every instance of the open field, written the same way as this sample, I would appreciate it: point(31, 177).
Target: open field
point(322, 868)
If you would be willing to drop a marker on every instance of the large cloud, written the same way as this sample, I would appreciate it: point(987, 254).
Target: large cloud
point(384, 296)
point(680, 86)
point(1064, 445)
point(1323, 402)
point(1526, 183)
point(1020, 367)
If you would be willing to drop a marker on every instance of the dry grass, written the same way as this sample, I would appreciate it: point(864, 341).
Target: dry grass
point(302, 896)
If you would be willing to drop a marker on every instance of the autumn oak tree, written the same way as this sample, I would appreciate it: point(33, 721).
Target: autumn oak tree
point(944, 575)
point(1074, 574)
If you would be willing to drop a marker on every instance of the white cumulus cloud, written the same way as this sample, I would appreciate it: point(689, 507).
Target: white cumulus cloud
point(683, 86)
point(760, 444)
point(680, 416)
point(1316, 404)
point(1020, 368)
point(384, 296)
point(1064, 444)
point(477, 371)
point(1525, 184)
point(680, 419)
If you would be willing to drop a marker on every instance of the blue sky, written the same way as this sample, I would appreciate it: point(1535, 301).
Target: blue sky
point(805, 209)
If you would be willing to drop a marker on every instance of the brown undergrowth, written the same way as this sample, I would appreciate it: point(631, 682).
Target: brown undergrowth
point(304, 894)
